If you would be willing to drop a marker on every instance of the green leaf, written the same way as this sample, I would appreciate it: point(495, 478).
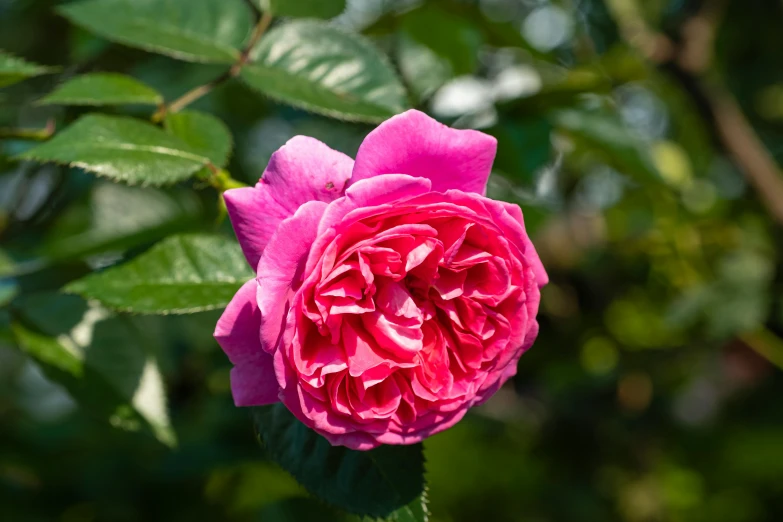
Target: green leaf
point(320, 68)
point(375, 483)
point(103, 89)
point(116, 217)
point(13, 69)
point(303, 8)
point(121, 148)
point(191, 30)
point(102, 360)
point(415, 511)
point(203, 133)
point(450, 36)
point(7, 264)
point(181, 274)
point(532, 135)
point(608, 134)
point(424, 71)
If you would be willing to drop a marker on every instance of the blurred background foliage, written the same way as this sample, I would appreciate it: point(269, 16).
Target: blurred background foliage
point(643, 140)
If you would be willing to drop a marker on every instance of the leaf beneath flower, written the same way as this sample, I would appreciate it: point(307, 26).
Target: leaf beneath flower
point(387, 481)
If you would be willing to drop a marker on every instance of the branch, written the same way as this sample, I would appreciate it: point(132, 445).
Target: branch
point(196, 93)
point(690, 63)
point(748, 151)
point(765, 343)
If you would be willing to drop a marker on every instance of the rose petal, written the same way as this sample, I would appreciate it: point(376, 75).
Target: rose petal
point(238, 329)
point(302, 170)
point(415, 144)
point(530, 251)
point(280, 268)
point(253, 383)
point(373, 192)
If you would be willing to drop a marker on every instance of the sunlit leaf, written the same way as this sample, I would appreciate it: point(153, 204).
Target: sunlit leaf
point(191, 30)
point(375, 483)
point(102, 89)
point(121, 148)
point(13, 69)
point(203, 133)
point(102, 360)
point(323, 69)
point(181, 274)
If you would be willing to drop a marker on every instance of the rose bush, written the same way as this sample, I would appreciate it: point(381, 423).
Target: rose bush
point(391, 295)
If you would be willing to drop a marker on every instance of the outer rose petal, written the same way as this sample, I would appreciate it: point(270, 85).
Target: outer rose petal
point(280, 267)
point(415, 144)
point(302, 170)
point(253, 381)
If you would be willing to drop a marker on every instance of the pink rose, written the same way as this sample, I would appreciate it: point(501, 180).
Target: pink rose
point(391, 295)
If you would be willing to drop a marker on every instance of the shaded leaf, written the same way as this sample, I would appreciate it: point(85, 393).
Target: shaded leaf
point(374, 483)
point(117, 217)
point(203, 133)
point(450, 36)
point(303, 8)
point(320, 68)
point(13, 69)
point(121, 148)
point(102, 89)
point(532, 135)
point(622, 149)
point(181, 274)
point(303, 508)
point(102, 360)
point(191, 30)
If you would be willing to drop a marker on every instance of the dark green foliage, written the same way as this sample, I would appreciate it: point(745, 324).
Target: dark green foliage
point(373, 483)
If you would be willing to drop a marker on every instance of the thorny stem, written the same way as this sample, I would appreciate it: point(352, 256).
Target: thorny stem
point(196, 93)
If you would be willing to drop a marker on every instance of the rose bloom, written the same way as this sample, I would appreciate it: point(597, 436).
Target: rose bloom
point(391, 295)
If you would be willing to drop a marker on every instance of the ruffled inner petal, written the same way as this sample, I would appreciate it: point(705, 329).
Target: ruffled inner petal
point(409, 315)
